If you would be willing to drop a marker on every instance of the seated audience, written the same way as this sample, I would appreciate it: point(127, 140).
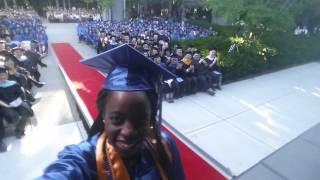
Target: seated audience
point(152, 38)
point(23, 44)
point(12, 105)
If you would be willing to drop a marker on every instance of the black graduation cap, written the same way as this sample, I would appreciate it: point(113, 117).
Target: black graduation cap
point(7, 55)
point(128, 69)
point(17, 48)
point(167, 49)
point(125, 34)
point(196, 52)
point(156, 56)
point(3, 70)
point(35, 41)
point(12, 57)
point(155, 48)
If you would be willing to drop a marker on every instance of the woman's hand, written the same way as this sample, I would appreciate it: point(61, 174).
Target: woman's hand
point(3, 104)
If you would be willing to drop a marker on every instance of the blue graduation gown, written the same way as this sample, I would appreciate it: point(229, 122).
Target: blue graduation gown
point(79, 162)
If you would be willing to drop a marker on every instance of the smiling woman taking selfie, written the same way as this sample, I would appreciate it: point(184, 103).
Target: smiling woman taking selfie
point(125, 142)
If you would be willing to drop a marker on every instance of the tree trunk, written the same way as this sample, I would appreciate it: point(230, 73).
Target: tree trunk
point(64, 4)
point(57, 4)
point(26, 3)
point(106, 15)
point(5, 2)
point(124, 9)
point(170, 8)
point(183, 11)
point(14, 3)
point(138, 9)
point(69, 4)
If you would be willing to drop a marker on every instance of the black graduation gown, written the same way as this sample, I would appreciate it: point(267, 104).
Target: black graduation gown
point(19, 78)
point(10, 93)
point(203, 77)
point(36, 57)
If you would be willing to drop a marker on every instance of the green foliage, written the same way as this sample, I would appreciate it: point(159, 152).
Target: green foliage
point(272, 51)
point(200, 23)
point(254, 15)
point(105, 3)
point(229, 9)
point(88, 1)
point(292, 49)
point(306, 12)
point(226, 31)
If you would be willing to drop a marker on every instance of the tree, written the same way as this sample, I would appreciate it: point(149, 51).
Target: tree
point(5, 2)
point(26, 2)
point(105, 6)
point(14, 3)
point(171, 8)
point(254, 15)
point(180, 6)
point(88, 2)
point(57, 4)
point(105, 3)
point(306, 12)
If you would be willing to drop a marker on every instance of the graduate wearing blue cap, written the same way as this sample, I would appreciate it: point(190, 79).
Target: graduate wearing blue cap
point(125, 141)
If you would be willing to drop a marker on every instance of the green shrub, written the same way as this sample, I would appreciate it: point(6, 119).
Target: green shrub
point(201, 23)
point(225, 31)
point(292, 49)
point(272, 51)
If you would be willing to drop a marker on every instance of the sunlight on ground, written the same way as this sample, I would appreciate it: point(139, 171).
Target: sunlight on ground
point(80, 86)
point(268, 123)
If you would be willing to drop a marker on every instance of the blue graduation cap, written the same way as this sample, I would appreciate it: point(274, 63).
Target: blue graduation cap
point(128, 70)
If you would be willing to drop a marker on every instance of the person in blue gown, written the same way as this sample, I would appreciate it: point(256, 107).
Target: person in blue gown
point(125, 142)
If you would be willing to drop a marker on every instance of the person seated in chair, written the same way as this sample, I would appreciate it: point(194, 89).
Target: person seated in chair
point(102, 43)
point(189, 74)
point(13, 108)
point(214, 70)
point(28, 61)
point(203, 75)
point(21, 76)
point(36, 52)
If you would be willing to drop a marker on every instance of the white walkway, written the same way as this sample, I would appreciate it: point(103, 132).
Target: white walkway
point(250, 119)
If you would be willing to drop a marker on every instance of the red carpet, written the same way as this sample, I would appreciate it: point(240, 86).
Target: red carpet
point(88, 82)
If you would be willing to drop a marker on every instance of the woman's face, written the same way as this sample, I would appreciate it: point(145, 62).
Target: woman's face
point(18, 53)
point(9, 64)
point(127, 119)
point(212, 53)
point(3, 77)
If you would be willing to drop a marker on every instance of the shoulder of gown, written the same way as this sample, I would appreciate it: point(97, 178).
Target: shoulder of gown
point(74, 162)
point(176, 168)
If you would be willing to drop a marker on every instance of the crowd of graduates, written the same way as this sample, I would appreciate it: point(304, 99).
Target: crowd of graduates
point(170, 30)
point(56, 15)
point(196, 72)
point(21, 54)
point(22, 25)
